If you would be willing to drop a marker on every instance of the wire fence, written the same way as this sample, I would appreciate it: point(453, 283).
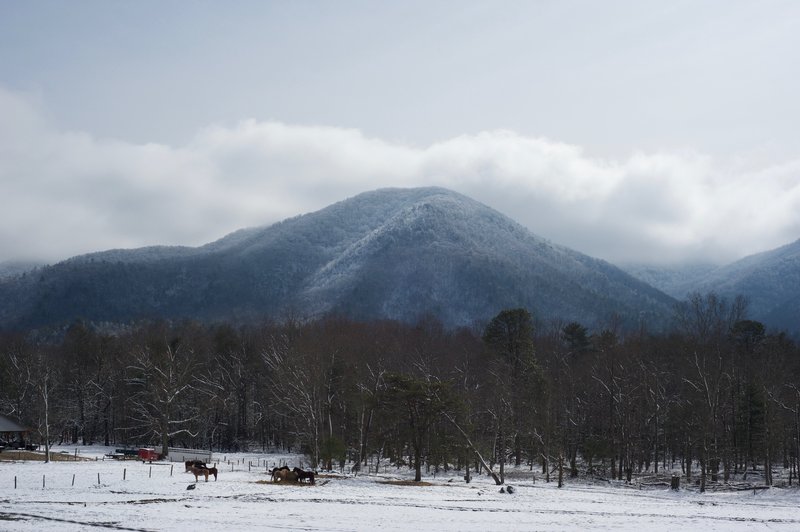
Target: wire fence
point(111, 474)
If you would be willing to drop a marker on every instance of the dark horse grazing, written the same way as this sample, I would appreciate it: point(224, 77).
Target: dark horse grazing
point(194, 463)
point(304, 475)
point(204, 471)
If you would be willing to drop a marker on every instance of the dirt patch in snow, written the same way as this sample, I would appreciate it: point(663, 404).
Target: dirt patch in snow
point(405, 483)
point(38, 456)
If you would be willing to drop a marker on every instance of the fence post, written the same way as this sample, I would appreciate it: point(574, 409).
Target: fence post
point(170, 469)
point(98, 479)
point(43, 482)
point(73, 479)
point(124, 473)
point(150, 474)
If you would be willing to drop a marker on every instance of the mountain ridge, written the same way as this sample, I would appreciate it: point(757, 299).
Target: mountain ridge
point(386, 254)
point(770, 281)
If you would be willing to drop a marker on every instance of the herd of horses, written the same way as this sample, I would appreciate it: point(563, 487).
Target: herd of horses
point(284, 474)
point(279, 474)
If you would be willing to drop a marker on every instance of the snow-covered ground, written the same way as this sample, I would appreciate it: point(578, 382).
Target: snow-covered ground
point(155, 497)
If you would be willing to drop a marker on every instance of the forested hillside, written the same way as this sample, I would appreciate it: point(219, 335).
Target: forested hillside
point(716, 396)
point(9, 269)
point(400, 254)
point(770, 281)
point(676, 280)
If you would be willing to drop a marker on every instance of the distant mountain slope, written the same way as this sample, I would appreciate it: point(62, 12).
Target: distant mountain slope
point(13, 268)
point(674, 280)
point(393, 253)
point(769, 280)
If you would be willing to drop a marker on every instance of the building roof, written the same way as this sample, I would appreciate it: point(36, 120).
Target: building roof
point(8, 424)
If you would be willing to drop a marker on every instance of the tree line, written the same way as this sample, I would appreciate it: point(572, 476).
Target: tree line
point(716, 397)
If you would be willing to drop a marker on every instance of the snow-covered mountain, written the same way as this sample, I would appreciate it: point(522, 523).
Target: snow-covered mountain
point(676, 280)
point(394, 253)
point(13, 268)
point(770, 281)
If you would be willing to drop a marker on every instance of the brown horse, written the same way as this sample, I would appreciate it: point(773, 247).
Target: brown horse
point(204, 471)
point(284, 475)
point(278, 472)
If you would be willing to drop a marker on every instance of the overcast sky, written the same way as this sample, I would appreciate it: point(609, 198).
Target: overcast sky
point(645, 131)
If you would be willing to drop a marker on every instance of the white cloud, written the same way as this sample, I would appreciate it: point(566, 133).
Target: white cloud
point(65, 193)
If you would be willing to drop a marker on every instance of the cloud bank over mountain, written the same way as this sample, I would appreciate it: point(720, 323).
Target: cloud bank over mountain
point(68, 192)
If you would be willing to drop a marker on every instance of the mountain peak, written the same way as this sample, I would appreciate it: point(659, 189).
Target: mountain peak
point(386, 254)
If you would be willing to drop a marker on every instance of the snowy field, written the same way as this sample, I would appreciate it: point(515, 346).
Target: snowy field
point(132, 495)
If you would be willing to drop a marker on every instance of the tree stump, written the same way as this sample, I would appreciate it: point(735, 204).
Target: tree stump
point(675, 484)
